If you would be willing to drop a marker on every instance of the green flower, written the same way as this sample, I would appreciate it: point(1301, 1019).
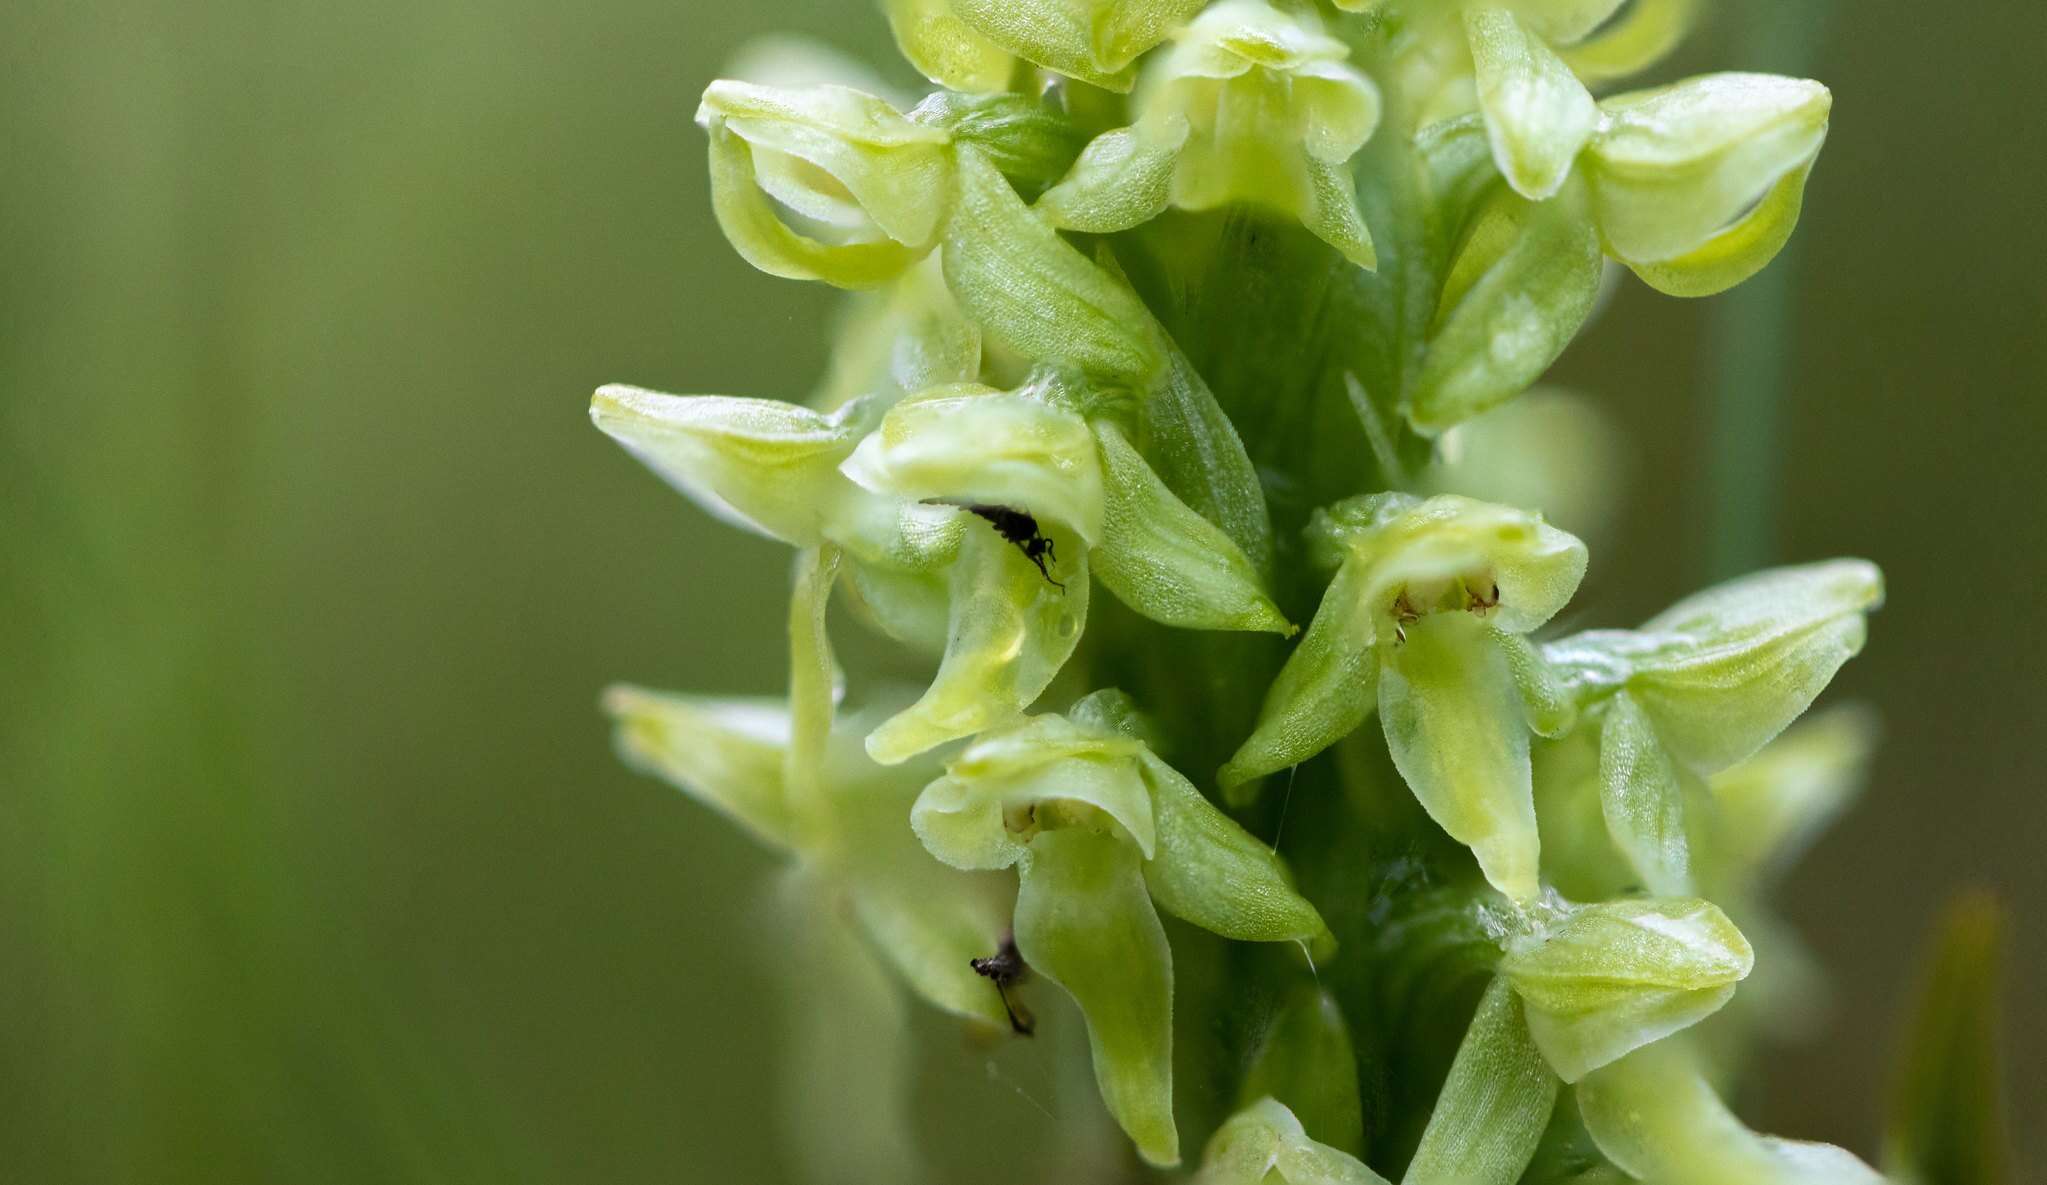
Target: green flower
point(1100, 829)
point(932, 574)
point(1697, 185)
point(834, 812)
point(1251, 105)
point(1422, 620)
point(824, 182)
point(1032, 451)
point(965, 44)
point(1701, 686)
point(1694, 186)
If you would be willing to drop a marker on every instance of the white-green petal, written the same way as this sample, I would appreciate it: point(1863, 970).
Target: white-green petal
point(1495, 1104)
point(1642, 799)
point(1032, 292)
point(872, 186)
point(1167, 562)
point(1406, 541)
point(1327, 688)
point(1092, 40)
point(1546, 703)
point(756, 230)
point(1381, 545)
point(929, 928)
point(1738, 252)
point(767, 466)
point(1633, 41)
point(1011, 630)
point(946, 49)
point(969, 444)
point(1330, 212)
point(1675, 166)
point(1033, 742)
point(725, 753)
point(885, 169)
point(1611, 978)
point(1518, 292)
point(910, 606)
point(1654, 1114)
point(1538, 115)
point(989, 821)
point(1732, 666)
point(1257, 107)
point(1453, 724)
point(1085, 921)
point(1769, 807)
point(1213, 873)
point(1264, 1144)
point(1565, 21)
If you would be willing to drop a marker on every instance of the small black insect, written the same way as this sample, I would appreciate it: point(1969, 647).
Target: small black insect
point(1017, 527)
point(1007, 968)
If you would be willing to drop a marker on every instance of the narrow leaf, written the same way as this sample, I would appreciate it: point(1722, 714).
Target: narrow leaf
point(1947, 1114)
point(1196, 451)
point(1518, 292)
point(1164, 560)
point(1538, 115)
point(1031, 291)
point(1211, 872)
point(1495, 1104)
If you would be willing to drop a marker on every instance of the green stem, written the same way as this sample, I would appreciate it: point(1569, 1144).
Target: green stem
point(1749, 337)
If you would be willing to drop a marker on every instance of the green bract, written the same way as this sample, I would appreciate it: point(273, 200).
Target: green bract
point(1494, 1105)
point(1251, 105)
point(1118, 320)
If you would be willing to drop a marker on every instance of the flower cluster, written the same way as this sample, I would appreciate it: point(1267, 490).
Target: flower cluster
point(1183, 300)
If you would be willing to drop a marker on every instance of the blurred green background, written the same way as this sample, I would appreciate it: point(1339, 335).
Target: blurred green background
point(314, 862)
